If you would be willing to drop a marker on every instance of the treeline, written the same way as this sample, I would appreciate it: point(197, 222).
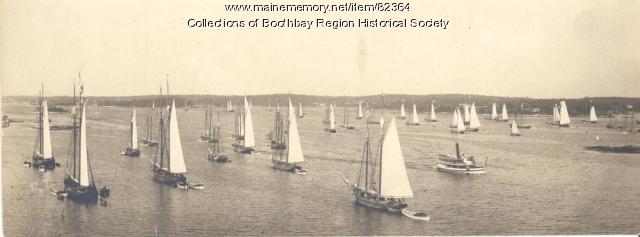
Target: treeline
point(443, 102)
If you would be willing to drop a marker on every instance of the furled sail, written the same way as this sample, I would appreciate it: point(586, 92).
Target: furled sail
point(394, 182)
point(176, 156)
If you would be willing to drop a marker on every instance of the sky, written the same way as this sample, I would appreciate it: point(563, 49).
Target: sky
point(538, 49)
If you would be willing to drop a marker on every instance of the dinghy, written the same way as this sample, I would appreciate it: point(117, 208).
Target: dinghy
point(421, 216)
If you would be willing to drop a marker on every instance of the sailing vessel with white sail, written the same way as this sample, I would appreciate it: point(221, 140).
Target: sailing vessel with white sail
point(229, 106)
point(133, 149)
point(403, 113)
point(359, 117)
point(207, 128)
point(505, 116)
point(457, 123)
point(415, 121)
point(345, 122)
point(289, 158)
point(459, 163)
point(43, 158)
point(168, 164)
point(474, 121)
point(300, 113)
point(432, 118)
point(565, 121)
point(244, 137)
point(494, 112)
point(216, 152)
point(555, 118)
point(384, 184)
point(467, 118)
point(592, 116)
point(79, 184)
point(514, 129)
point(331, 127)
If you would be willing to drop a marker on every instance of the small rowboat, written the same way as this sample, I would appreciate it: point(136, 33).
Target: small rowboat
point(197, 186)
point(421, 216)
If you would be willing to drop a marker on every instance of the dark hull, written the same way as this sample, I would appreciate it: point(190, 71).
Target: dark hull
point(277, 145)
point(173, 180)
point(373, 200)
point(132, 152)
point(221, 158)
point(48, 164)
point(79, 193)
point(330, 130)
point(243, 150)
point(282, 165)
point(149, 142)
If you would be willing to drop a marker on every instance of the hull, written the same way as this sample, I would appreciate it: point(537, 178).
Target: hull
point(413, 124)
point(132, 152)
point(147, 142)
point(374, 201)
point(79, 193)
point(174, 180)
point(39, 162)
point(456, 170)
point(220, 157)
point(282, 165)
point(359, 118)
point(432, 121)
point(515, 134)
point(348, 127)
point(330, 130)
point(524, 126)
point(243, 150)
point(472, 129)
point(278, 145)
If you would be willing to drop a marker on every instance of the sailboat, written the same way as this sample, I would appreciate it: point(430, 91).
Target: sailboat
point(494, 112)
point(467, 119)
point(555, 118)
point(459, 123)
point(207, 128)
point(345, 123)
point(229, 106)
point(79, 184)
point(245, 140)
point(474, 121)
point(168, 165)
point(564, 115)
point(514, 129)
point(403, 113)
point(432, 118)
point(592, 116)
point(459, 163)
point(331, 127)
point(43, 158)
point(148, 140)
point(454, 119)
point(270, 106)
point(415, 121)
point(216, 152)
point(133, 150)
point(278, 132)
point(289, 158)
point(504, 117)
point(186, 106)
point(383, 182)
point(359, 110)
point(300, 113)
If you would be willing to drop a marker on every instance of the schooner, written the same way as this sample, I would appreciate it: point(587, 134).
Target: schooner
point(216, 152)
point(244, 137)
point(291, 156)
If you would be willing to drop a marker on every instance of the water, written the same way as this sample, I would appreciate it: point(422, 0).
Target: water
point(541, 183)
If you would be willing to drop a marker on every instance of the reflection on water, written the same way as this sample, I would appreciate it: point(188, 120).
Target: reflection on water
point(541, 183)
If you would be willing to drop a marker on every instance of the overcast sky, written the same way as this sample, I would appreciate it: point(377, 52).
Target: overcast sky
point(541, 48)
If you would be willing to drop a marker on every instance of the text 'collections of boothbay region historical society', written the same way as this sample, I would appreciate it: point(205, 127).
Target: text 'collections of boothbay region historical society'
point(269, 20)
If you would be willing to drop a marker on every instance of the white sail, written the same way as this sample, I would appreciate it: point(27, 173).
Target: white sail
point(360, 109)
point(294, 147)
point(592, 115)
point(474, 122)
point(466, 114)
point(176, 156)
point(402, 112)
point(433, 112)
point(460, 125)
point(514, 128)
point(46, 133)
point(494, 112)
point(84, 162)
point(505, 116)
point(394, 182)
point(556, 114)
point(332, 118)
point(564, 114)
point(249, 139)
point(414, 117)
point(454, 119)
point(134, 131)
point(300, 109)
point(153, 104)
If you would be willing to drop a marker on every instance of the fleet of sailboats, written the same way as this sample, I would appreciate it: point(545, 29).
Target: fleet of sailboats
point(291, 156)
